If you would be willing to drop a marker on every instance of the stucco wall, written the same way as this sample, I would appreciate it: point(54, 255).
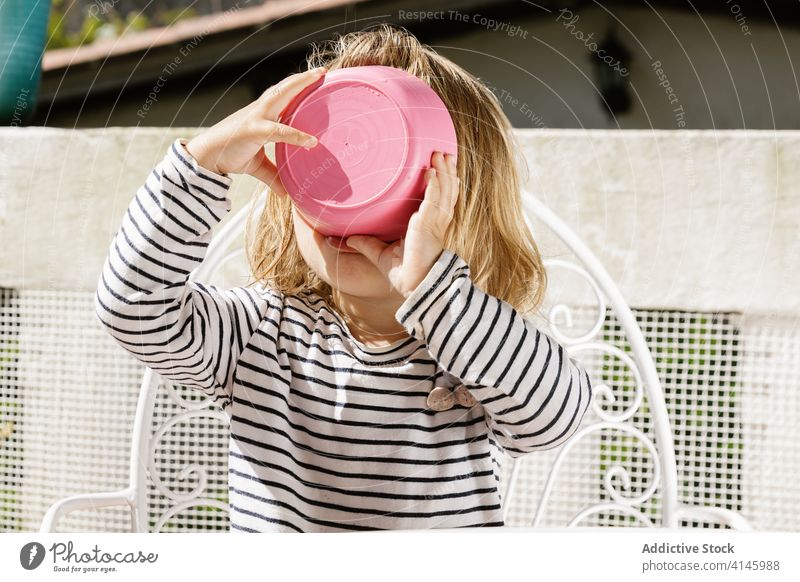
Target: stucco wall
point(690, 219)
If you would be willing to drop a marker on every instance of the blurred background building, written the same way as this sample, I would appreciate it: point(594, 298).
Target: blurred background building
point(720, 60)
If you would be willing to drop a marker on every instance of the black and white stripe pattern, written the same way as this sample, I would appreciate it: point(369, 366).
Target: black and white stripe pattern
point(327, 434)
point(534, 394)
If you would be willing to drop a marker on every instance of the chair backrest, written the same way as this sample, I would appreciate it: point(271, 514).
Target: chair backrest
point(179, 449)
point(178, 454)
point(610, 435)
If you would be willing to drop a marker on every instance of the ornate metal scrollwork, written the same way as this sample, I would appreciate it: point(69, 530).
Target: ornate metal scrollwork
point(565, 311)
point(617, 470)
point(187, 409)
point(601, 507)
point(198, 470)
point(182, 402)
point(603, 395)
point(175, 509)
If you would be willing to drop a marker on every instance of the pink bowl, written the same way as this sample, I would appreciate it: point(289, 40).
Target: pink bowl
point(377, 128)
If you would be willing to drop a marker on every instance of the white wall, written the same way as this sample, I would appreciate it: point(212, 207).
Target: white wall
point(696, 220)
point(682, 219)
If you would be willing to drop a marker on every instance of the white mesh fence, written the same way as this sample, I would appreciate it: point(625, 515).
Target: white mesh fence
point(699, 358)
point(68, 395)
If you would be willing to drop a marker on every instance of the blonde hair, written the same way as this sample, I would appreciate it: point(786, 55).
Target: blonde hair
point(488, 229)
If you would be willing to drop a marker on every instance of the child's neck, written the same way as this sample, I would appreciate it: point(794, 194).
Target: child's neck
point(371, 320)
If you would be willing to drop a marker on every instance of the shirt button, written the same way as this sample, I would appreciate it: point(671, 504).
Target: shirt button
point(464, 397)
point(441, 398)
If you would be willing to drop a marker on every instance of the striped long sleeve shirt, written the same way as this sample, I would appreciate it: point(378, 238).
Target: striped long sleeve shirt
point(328, 434)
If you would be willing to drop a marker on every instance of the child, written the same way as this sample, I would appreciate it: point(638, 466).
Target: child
point(369, 387)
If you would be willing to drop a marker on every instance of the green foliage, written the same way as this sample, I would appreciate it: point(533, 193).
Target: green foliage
point(101, 20)
point(173, 15)
point(10, 413)
point(695, 355)
point(137, 22)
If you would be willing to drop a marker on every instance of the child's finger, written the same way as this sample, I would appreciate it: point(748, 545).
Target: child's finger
point(455, 185)
point(439, 169)
point(268, 173)
point(437, 208)
point(369, 246)
point(448, 184)
point(456, 191)
point(277, 98)
point(426, 214)
point(432, 188)
point(448, 169)
point(274, 131)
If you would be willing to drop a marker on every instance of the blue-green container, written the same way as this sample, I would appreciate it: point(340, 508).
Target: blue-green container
point(23, 26)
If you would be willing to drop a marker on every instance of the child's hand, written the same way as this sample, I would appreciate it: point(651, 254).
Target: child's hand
point(406, 262)
point(236, 144)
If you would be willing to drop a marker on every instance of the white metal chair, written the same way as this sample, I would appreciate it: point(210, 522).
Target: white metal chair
point(146, 436)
